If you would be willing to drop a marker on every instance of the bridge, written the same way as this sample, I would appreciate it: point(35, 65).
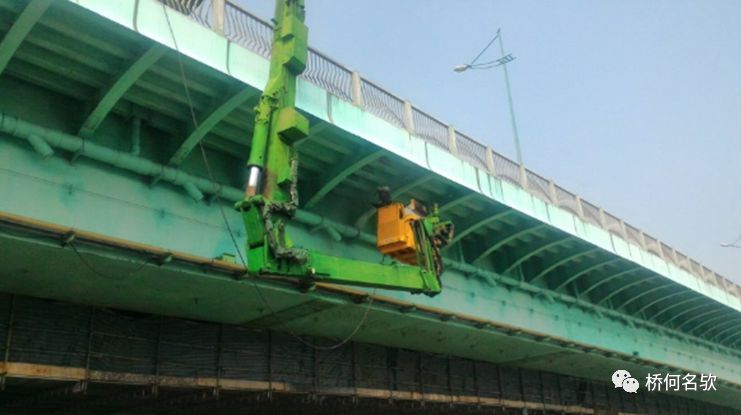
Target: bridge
point(124, 130)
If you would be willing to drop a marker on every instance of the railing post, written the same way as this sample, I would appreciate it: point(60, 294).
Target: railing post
point(623, 231)
point(523, 177)
point(602, 218)
point(408, 117)
point(552, 192)
point(452, 143)
point(580, 208)
point(357, 91)
point(218, 8)
point(490, 161)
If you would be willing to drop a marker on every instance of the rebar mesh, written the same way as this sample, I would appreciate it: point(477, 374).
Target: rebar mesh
point(430, 129)
point(506, 168)
point(471, 150)
point(538, 185)
point(382, 104)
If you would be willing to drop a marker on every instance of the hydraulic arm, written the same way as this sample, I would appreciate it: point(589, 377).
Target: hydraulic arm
point(407, 234)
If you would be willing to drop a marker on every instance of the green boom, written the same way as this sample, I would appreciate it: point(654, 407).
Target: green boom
point(271, 198)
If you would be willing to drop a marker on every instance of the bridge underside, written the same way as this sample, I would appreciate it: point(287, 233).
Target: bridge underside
point(111, 104)
point(88, 360)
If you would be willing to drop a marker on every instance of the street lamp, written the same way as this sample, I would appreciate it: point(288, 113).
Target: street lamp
point(502, 61)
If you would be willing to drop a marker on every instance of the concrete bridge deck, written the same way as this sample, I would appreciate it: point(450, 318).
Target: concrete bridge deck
point(536, 278)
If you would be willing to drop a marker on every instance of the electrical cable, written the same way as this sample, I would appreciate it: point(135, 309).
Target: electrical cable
point(217, 199)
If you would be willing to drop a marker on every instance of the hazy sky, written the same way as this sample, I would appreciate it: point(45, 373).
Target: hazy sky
point(634, 105)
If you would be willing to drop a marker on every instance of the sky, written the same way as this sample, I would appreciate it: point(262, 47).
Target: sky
point(633, 105)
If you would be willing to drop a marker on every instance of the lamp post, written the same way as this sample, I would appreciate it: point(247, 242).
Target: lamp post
point(502, 61)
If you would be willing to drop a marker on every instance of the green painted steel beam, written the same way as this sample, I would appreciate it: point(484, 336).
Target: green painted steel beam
point(660, 300)
point(626, 287)
point(675, 305)
point(518, 233)
point(718, 336)
point(20, 29)
point(721, 311)
point(111, 95)
point(645, 293)
point(537, 251)
point(726, 314)
point(609, 278)
point(713, 305)
point(733, 336)
point(479, 225)
point(212, 119)
point(586, 271)
point(340, 173)
point(581, 252)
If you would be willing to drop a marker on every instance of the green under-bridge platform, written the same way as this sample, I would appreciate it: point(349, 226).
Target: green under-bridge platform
point(105, 200)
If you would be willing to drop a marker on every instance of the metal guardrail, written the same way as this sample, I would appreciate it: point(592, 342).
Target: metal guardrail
point(255, 34)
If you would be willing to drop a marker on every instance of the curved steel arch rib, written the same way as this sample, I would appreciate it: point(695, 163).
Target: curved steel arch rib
point(683, 302)
point(508, 238)
point(645, 293)
point(536, 251)
point(332, 179)
point(118, 88)
point(562, 261)
point(701, 315)
point(586, 271)
point(610, 278)
point(479, 225)
point(660, 299)
point(625, 287)
point(736, 326)
point(689, 310)
point(695, 330)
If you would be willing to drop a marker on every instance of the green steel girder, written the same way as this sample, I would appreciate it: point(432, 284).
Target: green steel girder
point(20, 29)
point(722, 311)
point(478, 225)
point(340, 173)
point(578, 253)
point(645, 293)
point(517, 233)
point(397, 191)
point(626, 287)
point(679, 304)
point(609, 278)
point(686, 311)
point(718, 336)
point(659, 300)
point(536, 251)
point(733, 336)
point(119, 86)
point(726, 313)
point(211, 120)
point(586, 271)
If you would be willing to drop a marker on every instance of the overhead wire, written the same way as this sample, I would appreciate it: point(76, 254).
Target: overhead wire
point(194, 120)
